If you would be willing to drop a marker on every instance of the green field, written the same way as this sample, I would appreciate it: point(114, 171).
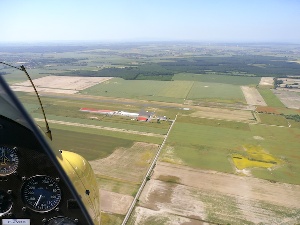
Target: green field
point(122, 135)
point(168, 91)
point(207, 145)
point(16, 76)
point(214, 78)
point(90, 146)
point(273, 119)
point(270, 98)
point(216, 92)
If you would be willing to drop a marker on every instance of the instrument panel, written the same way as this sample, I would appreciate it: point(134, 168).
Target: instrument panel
point(31, 189)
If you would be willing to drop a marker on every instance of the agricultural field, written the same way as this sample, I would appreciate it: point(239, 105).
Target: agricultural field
point(216, 92)
point(59, 84)
point(164, 91)
point(273, 119)
point(224, 172)
point(269, 97)
point(252, 96)
point(288, 98)
point(212, 144)
point(168, 91)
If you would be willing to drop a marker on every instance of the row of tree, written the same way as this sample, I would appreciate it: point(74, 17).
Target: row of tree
point(244, 65)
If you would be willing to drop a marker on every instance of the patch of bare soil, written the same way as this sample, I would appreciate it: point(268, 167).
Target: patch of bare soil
point(266, 81)
point(213, 197)
point(60, 84)
point(252, 96)
point(112, 202)
point(258, 138)
point(288, 98)
point(224, 114)
point(127, 164)
point(145, 216)
point(287, 195)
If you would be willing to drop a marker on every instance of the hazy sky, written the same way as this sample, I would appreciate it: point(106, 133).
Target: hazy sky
point(131, 20)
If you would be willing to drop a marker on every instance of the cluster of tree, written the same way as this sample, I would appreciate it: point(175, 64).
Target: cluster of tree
point(295, 117)
point(277, 82)
point(143, 72)
point(247, 64)
point(243, 65)
point(39, 62)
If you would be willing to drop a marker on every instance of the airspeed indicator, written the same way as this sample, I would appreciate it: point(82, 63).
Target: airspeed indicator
point(41, 193)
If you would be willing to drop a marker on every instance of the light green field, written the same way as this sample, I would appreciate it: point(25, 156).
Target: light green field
point(118, 87)
point(90, 146)
point(122, 135)
point(216, 92)
point(270, 98)
point(213, 78)
point(176, 89)
point(210, 146)
point(273, 119)
point(168, 91)
point(16, 76)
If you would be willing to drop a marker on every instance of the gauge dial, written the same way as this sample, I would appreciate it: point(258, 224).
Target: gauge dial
point(41, 193)
point(61, 220)
point(5, 203)
point(8, 161)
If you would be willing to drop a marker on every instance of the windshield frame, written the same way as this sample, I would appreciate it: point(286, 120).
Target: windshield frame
point(22, 117)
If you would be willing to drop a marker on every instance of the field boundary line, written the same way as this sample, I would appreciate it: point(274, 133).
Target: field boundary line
point(147, 176)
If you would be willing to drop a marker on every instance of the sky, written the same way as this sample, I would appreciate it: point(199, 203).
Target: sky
point(150, 20)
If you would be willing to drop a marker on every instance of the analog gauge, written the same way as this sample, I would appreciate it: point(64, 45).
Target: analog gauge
point(61, 220)
point(41, 193)
point(5, 203)
point(8, 161)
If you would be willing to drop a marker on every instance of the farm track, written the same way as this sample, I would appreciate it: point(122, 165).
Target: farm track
point(103, 128)
point(147, 177)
